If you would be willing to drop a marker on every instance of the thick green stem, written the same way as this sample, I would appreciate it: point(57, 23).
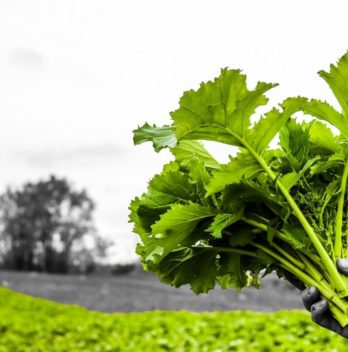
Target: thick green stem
point(326, 202)
point(295, 270)
point(281, 236)
point(325, 289)
point(278, 248)
point(339, 214)
point(305, 265)
point(213, 197)
point(345, 249)
point(338, 307)
point(313, 257)
point(255, 223)
point(331, 267)
point(312, 270)
point(289, 257)
point(228, 250)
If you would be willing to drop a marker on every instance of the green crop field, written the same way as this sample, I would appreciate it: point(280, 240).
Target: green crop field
point(32, 324)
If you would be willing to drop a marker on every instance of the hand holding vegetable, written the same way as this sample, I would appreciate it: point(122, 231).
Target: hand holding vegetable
point(320, 309)
point(279, 208)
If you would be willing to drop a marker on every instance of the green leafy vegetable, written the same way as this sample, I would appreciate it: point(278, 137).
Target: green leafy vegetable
point(280, 209)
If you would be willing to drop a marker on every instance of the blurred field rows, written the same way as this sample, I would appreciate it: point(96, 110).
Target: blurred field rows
point(141, 291)
point(37, 325)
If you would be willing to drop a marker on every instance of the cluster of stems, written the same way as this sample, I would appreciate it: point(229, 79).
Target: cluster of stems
point(318, 271)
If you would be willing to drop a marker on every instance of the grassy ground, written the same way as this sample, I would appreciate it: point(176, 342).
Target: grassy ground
point(141, 291)
point(35, 325)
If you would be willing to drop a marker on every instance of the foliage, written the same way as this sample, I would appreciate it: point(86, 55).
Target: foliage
point(37, 325)
point(280, 209)
point(122, 268)
point(42, 222)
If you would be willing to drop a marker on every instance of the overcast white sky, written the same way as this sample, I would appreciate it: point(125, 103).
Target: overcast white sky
point(76, 77)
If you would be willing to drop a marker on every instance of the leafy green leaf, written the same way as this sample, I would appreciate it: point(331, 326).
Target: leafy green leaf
point(294, 139)
point(257, 194)
point(290, 179)
point(199, 178)
point(185, 151)
point(161, 137)
point(199, 174)
point(171, 186)
point(194, 266)
point(295, 236)
point(337, 79)
point(168, 187)
point(322, 137)
point(334, 161)
point(326, 112)
point(223, 220)
point(231, 273)
point(267, 127)
point(239, 271)
point(219, 110)
point(242, 166)
point(241, 236)
point(173, 227)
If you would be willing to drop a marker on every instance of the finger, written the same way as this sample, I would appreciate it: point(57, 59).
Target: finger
point(342, 266)
point(309, 296)
point(345, 332)
point(321, 315)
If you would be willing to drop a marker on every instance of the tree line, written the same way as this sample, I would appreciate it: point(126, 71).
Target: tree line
point(48, 226)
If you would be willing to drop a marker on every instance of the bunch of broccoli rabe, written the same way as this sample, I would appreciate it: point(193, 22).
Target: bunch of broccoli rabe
point(281, 208)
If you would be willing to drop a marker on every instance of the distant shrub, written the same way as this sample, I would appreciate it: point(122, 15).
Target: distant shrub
point(122, 269)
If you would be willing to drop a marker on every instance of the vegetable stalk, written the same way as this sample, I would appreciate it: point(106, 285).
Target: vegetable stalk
point(339, 214)
point(331, 267)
